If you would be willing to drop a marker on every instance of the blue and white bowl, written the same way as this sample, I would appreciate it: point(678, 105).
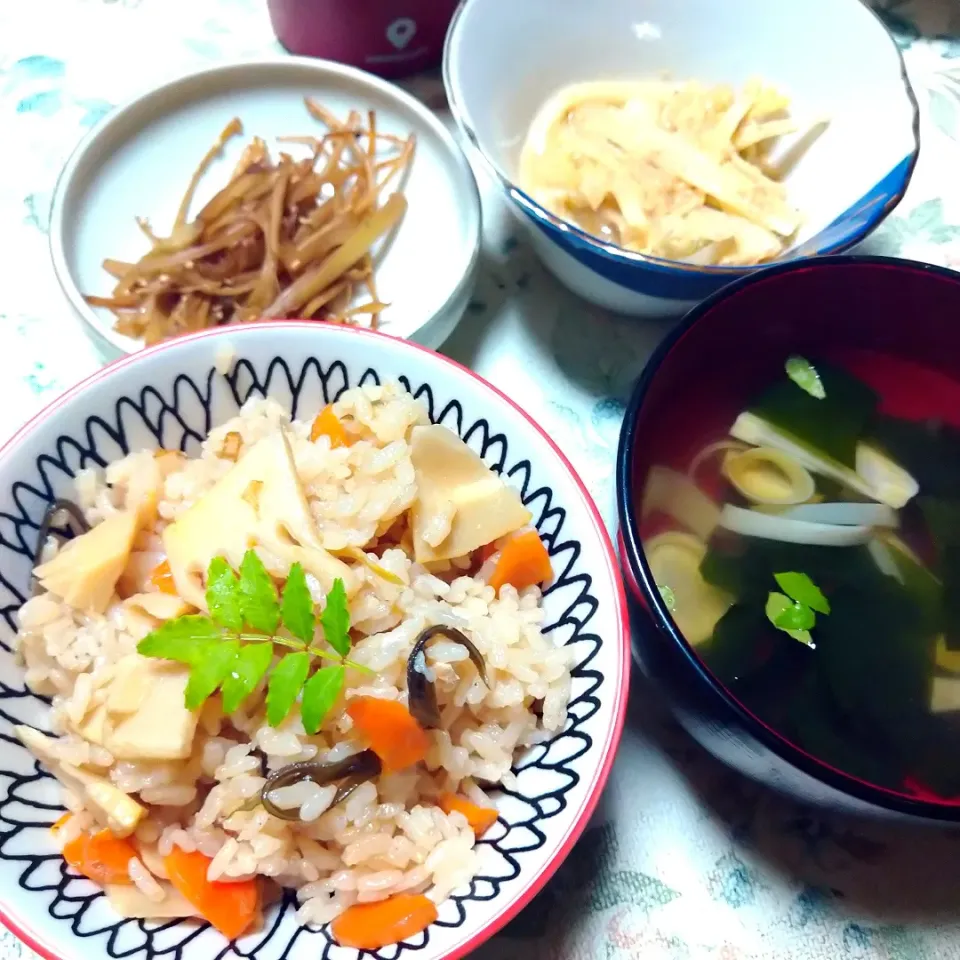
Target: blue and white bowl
point(504, 59)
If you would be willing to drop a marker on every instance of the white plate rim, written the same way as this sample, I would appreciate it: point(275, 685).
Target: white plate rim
point(117, 345)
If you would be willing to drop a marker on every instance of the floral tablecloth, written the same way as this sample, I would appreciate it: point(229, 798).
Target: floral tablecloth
point(683, 859)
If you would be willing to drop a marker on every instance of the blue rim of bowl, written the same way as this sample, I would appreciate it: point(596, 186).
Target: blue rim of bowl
point(622, 257)
point(98, 328)
point(657, 614)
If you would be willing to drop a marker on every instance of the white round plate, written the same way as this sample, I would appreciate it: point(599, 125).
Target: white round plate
point(139, 160)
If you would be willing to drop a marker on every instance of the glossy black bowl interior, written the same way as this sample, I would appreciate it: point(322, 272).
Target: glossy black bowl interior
point(858, 311)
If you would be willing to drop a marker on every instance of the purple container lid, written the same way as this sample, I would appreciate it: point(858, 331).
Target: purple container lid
point(392, 38)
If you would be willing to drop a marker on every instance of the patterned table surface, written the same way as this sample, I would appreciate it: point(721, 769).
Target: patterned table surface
point(684, 859)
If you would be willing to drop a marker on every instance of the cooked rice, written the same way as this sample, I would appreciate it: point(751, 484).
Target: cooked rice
point(388, 836)
point(144, 881)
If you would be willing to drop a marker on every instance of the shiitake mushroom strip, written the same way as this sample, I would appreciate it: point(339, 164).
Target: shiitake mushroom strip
point(60, 513)
point(352, 770)
point(348, 786)
point(422, 698)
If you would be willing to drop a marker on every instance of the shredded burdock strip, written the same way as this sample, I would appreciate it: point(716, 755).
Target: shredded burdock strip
point(284, 238)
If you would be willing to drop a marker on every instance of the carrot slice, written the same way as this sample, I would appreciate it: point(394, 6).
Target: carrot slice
point(101, 857)
point(480, 819)
point(370, 926)
point(230, 907)
point(327, 424)
point(390, 729)
point(59, 822)
point(162, 578)
point(523, 562)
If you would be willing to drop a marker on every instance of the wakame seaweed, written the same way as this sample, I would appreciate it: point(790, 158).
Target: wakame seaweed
point(942, 518)
point(814, 723)
point(745, 567)
point(877, 659)
point(732, 651)
point(928, 449)
point(833, 425)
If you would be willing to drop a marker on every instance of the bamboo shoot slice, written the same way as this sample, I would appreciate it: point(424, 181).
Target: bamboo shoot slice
point(769, 476)
point(674, 558)
point(681, 499)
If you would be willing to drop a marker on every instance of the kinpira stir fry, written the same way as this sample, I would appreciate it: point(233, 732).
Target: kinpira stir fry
point(283, 238)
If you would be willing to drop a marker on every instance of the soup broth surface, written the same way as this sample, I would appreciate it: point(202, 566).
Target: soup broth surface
point(810, 553)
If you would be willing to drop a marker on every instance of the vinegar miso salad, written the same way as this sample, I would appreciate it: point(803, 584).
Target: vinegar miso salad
point(811, 557)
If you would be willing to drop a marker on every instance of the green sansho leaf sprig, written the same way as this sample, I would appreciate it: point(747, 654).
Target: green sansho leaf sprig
point(804, 374)
point(669, 597)
point(795, 610)
point(232, 649)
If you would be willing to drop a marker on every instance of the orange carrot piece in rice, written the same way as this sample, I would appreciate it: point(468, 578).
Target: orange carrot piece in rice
point(101, 857)
point(162, 578)
point(390, 729)
point(480, 819)
point(327, 424)
point(523, 562)
point(370, 926)
point(230, 907)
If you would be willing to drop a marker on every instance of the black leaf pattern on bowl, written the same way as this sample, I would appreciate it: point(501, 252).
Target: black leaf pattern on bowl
point(23, 815)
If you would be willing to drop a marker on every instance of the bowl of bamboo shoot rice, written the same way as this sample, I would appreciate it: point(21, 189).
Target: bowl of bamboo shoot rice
point(272, 189)
point(655, 151)
point(309, 637)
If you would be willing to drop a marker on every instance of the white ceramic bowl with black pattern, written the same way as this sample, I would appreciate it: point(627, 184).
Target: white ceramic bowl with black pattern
point(171, 396)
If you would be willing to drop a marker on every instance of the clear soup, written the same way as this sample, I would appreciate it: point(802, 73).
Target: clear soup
point(811, 556)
